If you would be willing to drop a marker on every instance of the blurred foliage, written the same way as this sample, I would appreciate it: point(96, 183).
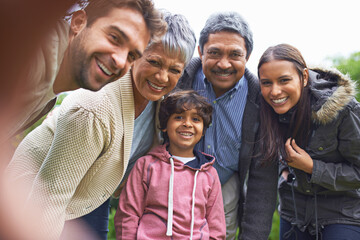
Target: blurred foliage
point(351, 66)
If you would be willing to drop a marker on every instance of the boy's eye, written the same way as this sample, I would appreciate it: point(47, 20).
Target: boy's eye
point(195, 119)
point(178, 117)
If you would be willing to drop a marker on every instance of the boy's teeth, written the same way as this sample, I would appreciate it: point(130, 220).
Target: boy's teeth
point(186, 134)
point(279, 100)
point(105, 70)
point(154, 86)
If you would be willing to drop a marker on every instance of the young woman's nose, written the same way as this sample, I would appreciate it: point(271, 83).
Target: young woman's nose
point(275, 90)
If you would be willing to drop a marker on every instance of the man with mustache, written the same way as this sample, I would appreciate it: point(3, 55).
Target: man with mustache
point(248, 188)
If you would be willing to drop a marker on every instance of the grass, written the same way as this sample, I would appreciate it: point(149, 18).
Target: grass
point(274, 234)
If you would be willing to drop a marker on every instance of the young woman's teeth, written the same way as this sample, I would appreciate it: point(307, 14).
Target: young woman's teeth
point(104, 69)
point(154, 86)
point(281, 100)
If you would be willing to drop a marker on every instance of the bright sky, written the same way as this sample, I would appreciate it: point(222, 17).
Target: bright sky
point(318, 28)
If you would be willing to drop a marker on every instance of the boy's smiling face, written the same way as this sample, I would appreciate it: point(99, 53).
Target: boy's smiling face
point(185, 131)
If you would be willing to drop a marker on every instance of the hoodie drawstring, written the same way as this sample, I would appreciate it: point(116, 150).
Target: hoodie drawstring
point(193, 206)
point(171, 204)
point(170, 200)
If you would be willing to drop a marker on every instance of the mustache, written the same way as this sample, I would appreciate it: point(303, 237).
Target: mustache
point(223, 71)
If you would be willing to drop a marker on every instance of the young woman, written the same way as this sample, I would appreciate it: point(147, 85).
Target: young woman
point(310, 120)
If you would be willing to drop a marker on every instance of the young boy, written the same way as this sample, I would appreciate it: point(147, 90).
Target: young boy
point(174, 192)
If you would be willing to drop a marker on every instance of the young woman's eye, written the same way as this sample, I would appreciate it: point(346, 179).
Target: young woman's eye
point(265, 83)
point(284, 80)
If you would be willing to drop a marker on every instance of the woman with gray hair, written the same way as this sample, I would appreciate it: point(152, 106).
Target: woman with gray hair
point(77, 158)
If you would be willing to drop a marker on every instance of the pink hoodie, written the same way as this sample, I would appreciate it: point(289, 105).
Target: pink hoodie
point(151, 207)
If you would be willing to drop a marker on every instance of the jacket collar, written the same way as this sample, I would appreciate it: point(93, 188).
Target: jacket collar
point(331, 91)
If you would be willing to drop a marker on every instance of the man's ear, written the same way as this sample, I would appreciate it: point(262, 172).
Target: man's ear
point(78, 21)
point(247, 58)
point(199, 51)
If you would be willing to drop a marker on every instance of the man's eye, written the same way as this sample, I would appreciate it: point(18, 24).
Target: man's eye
point(114, 37)
point(132, 57)
point(213, 53)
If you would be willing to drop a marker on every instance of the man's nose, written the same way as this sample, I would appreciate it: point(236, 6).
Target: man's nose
point(120, 59)
point(224, 63)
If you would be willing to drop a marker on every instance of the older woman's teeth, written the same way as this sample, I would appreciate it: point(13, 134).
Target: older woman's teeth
point(154, 86)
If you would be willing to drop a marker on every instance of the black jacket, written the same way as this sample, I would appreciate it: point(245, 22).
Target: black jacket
point(334, 185)
point(257, 208)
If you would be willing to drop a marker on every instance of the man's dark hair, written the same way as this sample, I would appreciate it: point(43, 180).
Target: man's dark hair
point(153, 18)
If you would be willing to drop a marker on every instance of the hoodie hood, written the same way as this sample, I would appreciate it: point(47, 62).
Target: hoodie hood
point(331, 91)
point(202, 161)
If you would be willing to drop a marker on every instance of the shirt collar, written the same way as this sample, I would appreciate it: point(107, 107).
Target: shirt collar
point(236, 88)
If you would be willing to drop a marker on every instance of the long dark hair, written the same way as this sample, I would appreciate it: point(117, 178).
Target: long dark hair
point(273, 133)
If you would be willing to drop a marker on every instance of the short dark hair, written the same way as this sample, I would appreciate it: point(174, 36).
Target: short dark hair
point(153, 18)
point(180, 101)
point(227, 22)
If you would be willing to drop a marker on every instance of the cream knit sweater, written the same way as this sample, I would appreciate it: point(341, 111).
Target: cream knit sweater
point(76, 159)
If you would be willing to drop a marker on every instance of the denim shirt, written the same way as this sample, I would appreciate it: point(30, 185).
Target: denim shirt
point(223, 137)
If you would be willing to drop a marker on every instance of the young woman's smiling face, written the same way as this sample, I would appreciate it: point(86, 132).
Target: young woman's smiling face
point(281, 85)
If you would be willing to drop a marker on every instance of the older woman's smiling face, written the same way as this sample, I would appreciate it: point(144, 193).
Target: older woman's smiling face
point(156, 73)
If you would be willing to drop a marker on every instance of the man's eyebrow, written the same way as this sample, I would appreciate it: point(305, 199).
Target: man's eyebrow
point(119, 31)
point(126, 38)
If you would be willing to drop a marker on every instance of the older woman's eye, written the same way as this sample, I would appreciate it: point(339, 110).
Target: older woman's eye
point(153, 62)
point(175, 71)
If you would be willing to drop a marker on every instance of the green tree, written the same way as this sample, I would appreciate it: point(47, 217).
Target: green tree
point(351, 66)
